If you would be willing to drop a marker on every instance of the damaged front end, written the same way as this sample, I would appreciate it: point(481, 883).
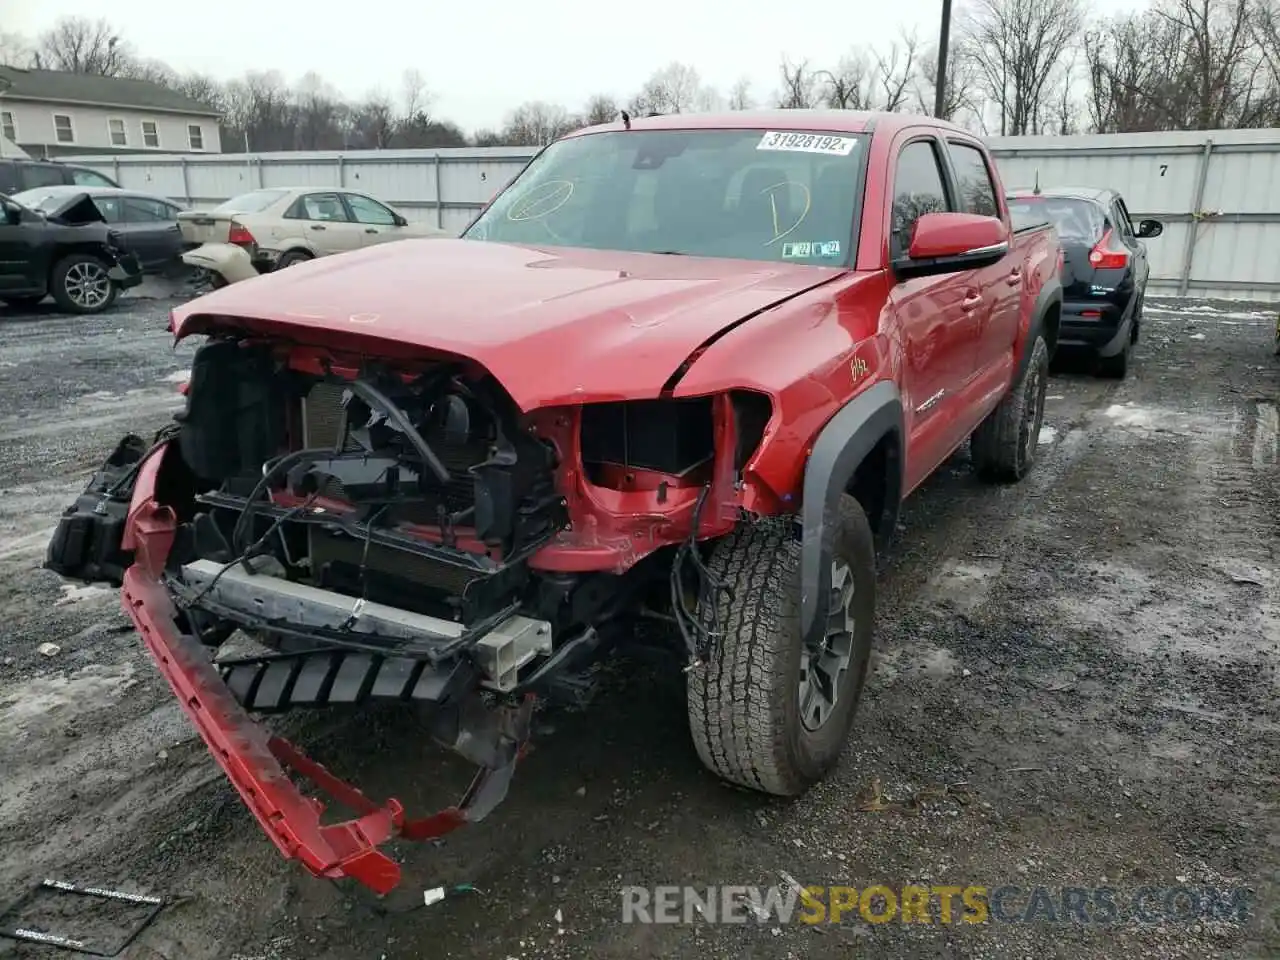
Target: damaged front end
point(371, 529)
point(398, 531)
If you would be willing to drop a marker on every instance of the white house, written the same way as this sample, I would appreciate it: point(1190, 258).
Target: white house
point(49, 113)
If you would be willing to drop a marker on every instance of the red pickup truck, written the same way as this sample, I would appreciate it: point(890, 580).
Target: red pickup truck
point(681, 369)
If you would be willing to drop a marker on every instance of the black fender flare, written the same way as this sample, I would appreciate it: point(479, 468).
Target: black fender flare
point(840, 447)
point(1051, 295)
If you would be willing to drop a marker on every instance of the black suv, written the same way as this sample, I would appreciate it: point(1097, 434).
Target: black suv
point(19, 175)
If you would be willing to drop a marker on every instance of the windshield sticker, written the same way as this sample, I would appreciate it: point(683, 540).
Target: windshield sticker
point(807, 143)
point(802, 251)
point(541, 201)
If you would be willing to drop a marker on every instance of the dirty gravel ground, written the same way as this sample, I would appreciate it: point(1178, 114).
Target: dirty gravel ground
point(1093, 652)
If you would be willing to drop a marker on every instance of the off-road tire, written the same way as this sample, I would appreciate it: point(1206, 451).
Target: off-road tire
point(291, 258)
point(744, 711)
point(58, 284)
point(22, 303)
point(1003, 448)
point(1116, 367)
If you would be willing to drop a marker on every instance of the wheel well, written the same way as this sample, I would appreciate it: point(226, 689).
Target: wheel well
point(300, 250)
point(876, 485)
point(1050, 327)
point(62, 252)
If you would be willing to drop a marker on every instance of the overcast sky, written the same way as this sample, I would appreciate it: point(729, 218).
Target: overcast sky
point(482, 57)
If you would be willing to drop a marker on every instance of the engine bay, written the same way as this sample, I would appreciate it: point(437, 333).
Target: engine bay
point(417, 492)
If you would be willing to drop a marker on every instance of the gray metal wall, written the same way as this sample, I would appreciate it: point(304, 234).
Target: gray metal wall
point(1218, 192)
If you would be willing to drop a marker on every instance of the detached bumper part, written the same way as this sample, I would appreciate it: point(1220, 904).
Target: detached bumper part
point(87, 543)
point(127, 272)
point(258, 764)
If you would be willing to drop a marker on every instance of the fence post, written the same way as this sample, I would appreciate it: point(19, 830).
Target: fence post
point(257, 162)
point(342, 172)
point(1197, 201)
point(115, 168)
point(186, 184)
point(439, 199)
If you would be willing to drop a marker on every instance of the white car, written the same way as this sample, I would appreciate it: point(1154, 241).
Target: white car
point(276, 227)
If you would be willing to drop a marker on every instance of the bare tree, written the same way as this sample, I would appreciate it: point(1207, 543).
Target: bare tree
point(959, 96)
point(417, 100)
point(799, 86)
point(895, 73)
point(373, 121)
point(537, 123)
point(676, 88)
point(80, 45)
point(1016, 47)
point(740, 95)
point(15, 51)
point(600, 108)
point(848, 87)
point(1183, 65)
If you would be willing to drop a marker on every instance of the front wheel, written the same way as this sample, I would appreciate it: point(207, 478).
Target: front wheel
point(1003, 448)
point(766, 712)
point(81, 284)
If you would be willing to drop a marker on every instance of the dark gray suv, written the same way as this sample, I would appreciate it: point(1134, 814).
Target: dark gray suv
point(19, 175)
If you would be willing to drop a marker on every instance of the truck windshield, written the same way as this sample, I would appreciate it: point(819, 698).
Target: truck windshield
point(743, 194)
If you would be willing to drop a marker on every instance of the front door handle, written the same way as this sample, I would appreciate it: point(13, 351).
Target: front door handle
point(1014, 278)
point(317, 226)
point(371, 230)
point(971, 302)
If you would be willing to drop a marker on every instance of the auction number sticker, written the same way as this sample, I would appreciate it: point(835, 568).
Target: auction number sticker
point(807, 143)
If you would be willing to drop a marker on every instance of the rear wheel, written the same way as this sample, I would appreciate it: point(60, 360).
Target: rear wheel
point(766, 712)
point(1003, 448)
point(292, 258)
point(1116, 367)
point(81, 284)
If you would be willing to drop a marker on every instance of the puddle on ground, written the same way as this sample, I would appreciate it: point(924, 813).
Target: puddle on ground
point(963, 583)
point(1166, 420)
point(44, 701)
point(79, 593)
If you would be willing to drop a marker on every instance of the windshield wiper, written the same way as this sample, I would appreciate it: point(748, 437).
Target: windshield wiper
point(669, 253)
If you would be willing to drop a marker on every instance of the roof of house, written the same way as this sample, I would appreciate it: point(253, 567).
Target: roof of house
point(57, 86)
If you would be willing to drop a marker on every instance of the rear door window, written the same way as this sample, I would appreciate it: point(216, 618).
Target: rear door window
point(84, 177)
point(146, 210)
point(41, 175)
point(977, 190)
point(9, 182)
point(1122, 219)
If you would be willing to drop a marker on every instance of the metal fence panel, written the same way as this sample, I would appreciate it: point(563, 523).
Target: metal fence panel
point(1218, 192)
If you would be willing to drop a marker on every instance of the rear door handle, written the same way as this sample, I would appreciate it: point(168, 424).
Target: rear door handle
point(1014, 278)
point(317, 226)
point(971, 302)
point(371, 230)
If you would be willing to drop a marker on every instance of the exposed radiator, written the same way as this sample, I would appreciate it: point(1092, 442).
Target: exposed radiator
point(323, 422)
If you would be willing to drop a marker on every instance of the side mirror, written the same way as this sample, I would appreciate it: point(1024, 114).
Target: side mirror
point(400, 221)
point(1150, 228)
point(12, 215)
point(952, 242)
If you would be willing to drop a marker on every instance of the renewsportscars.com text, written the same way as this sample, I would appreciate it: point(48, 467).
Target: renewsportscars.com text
point(944, 905)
